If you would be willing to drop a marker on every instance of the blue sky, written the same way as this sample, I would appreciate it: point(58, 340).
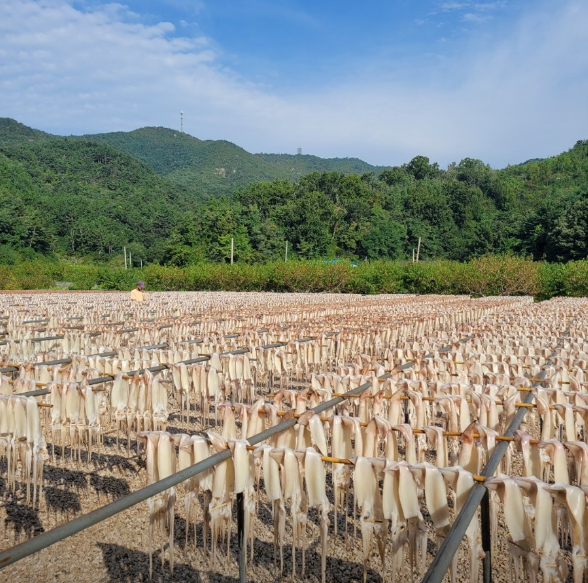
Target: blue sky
point(381, 80)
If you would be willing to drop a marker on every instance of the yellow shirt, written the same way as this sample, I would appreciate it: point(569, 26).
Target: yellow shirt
point(138, 295)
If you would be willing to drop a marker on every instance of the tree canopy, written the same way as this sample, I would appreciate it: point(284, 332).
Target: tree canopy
point(92, 196)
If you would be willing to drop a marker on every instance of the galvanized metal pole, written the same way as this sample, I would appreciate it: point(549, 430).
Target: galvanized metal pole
point(486, 527)
point(241, 537)
point(159, 368)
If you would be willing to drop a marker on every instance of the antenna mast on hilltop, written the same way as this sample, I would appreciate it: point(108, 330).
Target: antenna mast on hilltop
point(181, 122)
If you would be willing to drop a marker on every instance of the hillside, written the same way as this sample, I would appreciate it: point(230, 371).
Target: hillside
point(80, 197)
point(216, 167)
point(163, 149)
point(13, 132)
point(301, 164)
point(90, 197)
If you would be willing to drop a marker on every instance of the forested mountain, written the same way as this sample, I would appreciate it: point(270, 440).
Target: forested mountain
point(13, 132)
point(78, 197)
point(215, 167)
point(159, 193)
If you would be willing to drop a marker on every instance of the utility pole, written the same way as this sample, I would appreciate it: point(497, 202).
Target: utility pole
point(418, 250)
point(125, 252)
point(232, 248)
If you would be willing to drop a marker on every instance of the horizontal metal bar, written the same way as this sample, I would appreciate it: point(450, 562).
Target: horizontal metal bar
point(270, 432)
point(45, 338)
point(104, 354)
point(37, 393)
point(59, 533)
point(42, 339)
point(55, 362)
point(153, 347)
point(159, 368)
point(8, 369)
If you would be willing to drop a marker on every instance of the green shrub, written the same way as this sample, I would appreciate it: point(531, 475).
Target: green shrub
point(575, 278)
point(36, 274)
point(8, 279)
point(485, 276)
point(507, 275)
point(377, 276)
point(552, 280)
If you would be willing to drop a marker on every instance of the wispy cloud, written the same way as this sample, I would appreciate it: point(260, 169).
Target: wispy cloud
point(188, 6)
point(507, 99)
point(475, 17)
point(448, 6)
point(476, 12)
point(482, 6)
point(485, 6)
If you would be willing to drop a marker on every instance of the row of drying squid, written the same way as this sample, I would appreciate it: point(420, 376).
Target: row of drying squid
point(171, 322)
point(438, 396)
point(389, 495)
point(22, 440)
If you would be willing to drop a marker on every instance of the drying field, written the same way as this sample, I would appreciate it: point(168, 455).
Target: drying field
point(100, 397)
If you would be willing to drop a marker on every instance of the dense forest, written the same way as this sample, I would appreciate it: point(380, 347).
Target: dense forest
point(172, 199)
point(211, 168)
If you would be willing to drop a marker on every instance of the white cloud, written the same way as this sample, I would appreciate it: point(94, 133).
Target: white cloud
point(484, 6)
point(447, 6)
point(516, 97)
point(477, 18)
point(473, 12)
point(481, 6)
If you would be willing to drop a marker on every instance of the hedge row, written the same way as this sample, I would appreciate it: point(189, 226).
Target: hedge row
point(490, 275)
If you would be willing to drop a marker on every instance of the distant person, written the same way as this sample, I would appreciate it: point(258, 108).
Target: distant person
point(138, 295)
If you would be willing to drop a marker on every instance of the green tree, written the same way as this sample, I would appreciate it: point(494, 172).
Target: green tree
point(421, 168)
point(308, 222)
point(385, 238)
point(569, 235)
